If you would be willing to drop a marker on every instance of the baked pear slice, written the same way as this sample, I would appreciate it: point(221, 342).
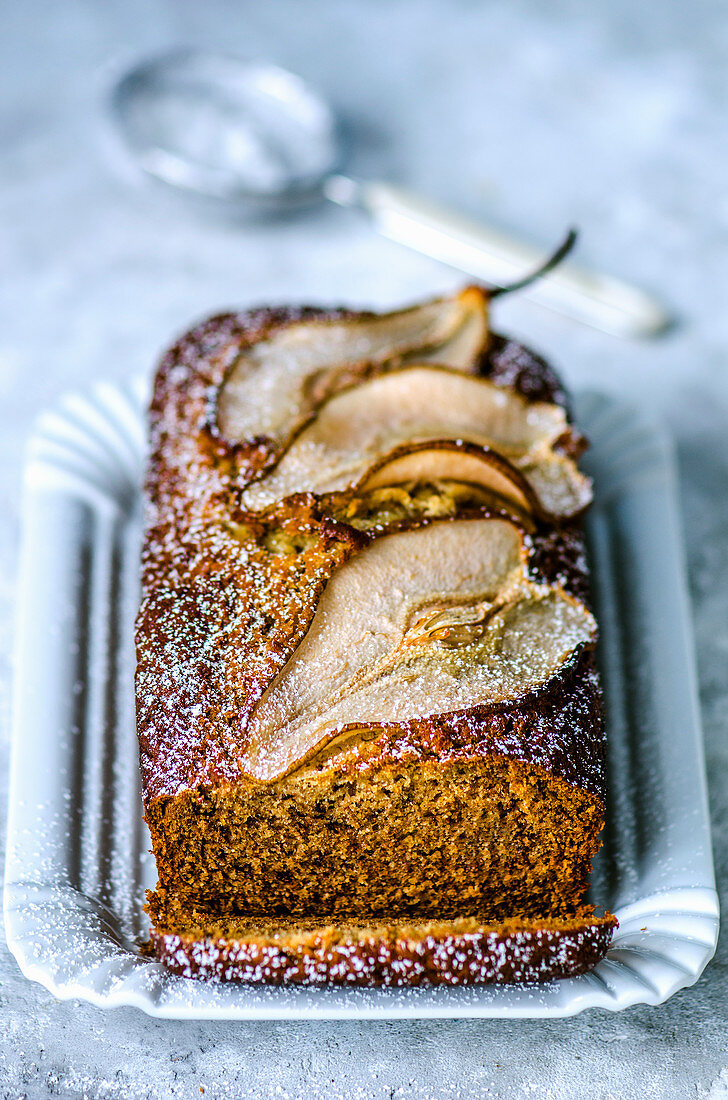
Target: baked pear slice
point(275, 386)
point(355, 430)
point(439, 461)
point(437, 620)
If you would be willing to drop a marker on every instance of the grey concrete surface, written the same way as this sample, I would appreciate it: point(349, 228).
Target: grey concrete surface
point(611, 116)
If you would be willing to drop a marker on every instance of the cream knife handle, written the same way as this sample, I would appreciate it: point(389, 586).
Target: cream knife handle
point(494, 257)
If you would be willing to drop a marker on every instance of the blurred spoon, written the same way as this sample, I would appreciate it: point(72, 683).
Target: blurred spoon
point(255, 135)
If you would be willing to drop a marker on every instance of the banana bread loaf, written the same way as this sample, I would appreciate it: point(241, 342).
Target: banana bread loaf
point(369, 720)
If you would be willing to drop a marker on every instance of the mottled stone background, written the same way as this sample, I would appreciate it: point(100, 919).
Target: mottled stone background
point(611, 116)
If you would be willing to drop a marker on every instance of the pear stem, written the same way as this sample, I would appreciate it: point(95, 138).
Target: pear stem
point(543, 269)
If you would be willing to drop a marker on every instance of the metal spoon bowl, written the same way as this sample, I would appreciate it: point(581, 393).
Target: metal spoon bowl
point(254, 135)
point(235, 131)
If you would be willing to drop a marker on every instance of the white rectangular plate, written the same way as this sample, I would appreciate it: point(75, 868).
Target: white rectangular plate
point(77, 860)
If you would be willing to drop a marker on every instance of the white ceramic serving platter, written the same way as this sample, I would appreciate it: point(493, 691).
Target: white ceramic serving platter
point(77, 860)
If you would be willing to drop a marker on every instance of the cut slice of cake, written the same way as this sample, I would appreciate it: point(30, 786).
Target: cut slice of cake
point(455, 952)
point(370, 725)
